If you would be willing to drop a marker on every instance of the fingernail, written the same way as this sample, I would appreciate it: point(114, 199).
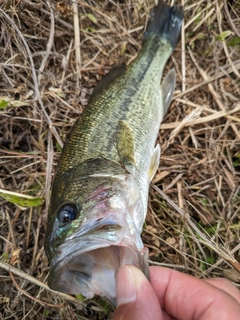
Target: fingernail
point(126, 286)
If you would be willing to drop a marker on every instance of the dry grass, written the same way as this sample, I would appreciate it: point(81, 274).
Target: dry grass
point(48, 71)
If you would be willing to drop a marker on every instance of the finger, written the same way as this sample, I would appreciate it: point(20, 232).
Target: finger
point(226, 286)
point(187, 298)
point(136, 299)
point(166, 316)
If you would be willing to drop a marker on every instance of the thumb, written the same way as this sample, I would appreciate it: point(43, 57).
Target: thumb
point(136, 299)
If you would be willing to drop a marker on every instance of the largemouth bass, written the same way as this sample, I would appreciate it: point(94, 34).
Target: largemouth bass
point(100, 190)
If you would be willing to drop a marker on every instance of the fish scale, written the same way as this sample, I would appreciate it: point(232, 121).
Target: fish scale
point(100, 190)
point(93, 135)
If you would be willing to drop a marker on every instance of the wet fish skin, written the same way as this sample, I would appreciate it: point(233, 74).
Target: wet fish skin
point(106, 166)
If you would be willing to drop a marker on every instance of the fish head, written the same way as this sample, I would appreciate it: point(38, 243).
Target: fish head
point(92, 231)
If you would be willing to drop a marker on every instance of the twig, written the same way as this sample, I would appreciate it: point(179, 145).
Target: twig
point(26, 166)
point(49, 44)
point(49, 169)
point(180, 197)
point(66, 63)
point(168, 265)
point(214, 116)
point(36, 242)
point(64, 23)
point(209, 14)
point(115, 21)
point(183, 53)
point(31, 279)
point(36, 86)
point(222, 252)
point(178, 250)
point(226, 70)
point(77, 41)
point(29, 226)
point(223, 259)
point(219, 18)
point(212, 91)
point(230, 19)
point(195, 113)
point(45, 304)
point(11, 229)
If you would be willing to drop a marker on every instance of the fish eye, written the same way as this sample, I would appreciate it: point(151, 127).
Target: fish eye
point(67, 213)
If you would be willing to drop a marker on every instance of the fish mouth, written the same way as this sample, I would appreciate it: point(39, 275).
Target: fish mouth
point(87, 264)
point(94, 271)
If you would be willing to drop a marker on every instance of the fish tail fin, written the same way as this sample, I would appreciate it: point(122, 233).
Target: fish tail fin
point(165, 22)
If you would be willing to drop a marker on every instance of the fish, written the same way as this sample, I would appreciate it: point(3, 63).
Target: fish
point(100, 190)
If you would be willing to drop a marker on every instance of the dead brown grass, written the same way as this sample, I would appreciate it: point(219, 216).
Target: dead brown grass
point(48, 71)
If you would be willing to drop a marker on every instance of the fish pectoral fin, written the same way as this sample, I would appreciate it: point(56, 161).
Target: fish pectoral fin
point(168, 86)
point(113, 74)
point(125, 144)
point(154, 164)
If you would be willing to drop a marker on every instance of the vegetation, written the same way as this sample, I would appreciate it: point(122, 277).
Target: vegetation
point(48, 71)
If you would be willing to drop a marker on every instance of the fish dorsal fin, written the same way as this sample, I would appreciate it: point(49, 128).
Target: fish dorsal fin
point(168, 86)
point(114, 73)
point(154, 164)
point(125, 144)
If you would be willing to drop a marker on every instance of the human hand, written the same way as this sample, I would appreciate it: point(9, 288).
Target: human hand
point(172, 295)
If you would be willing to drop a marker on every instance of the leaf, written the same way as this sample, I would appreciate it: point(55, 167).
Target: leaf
point(20, 199)
point(92, 18)
point(222, 36)
point(123, 49)
point(58, 147)
point(89, 29)
point(235, 41)
point(236, 163)
point(3, 104)
point(210, 260)
point(15, 258)
point(80, 297)
point(6, 102)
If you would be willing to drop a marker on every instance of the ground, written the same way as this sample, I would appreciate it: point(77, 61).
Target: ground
point(48, 71)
